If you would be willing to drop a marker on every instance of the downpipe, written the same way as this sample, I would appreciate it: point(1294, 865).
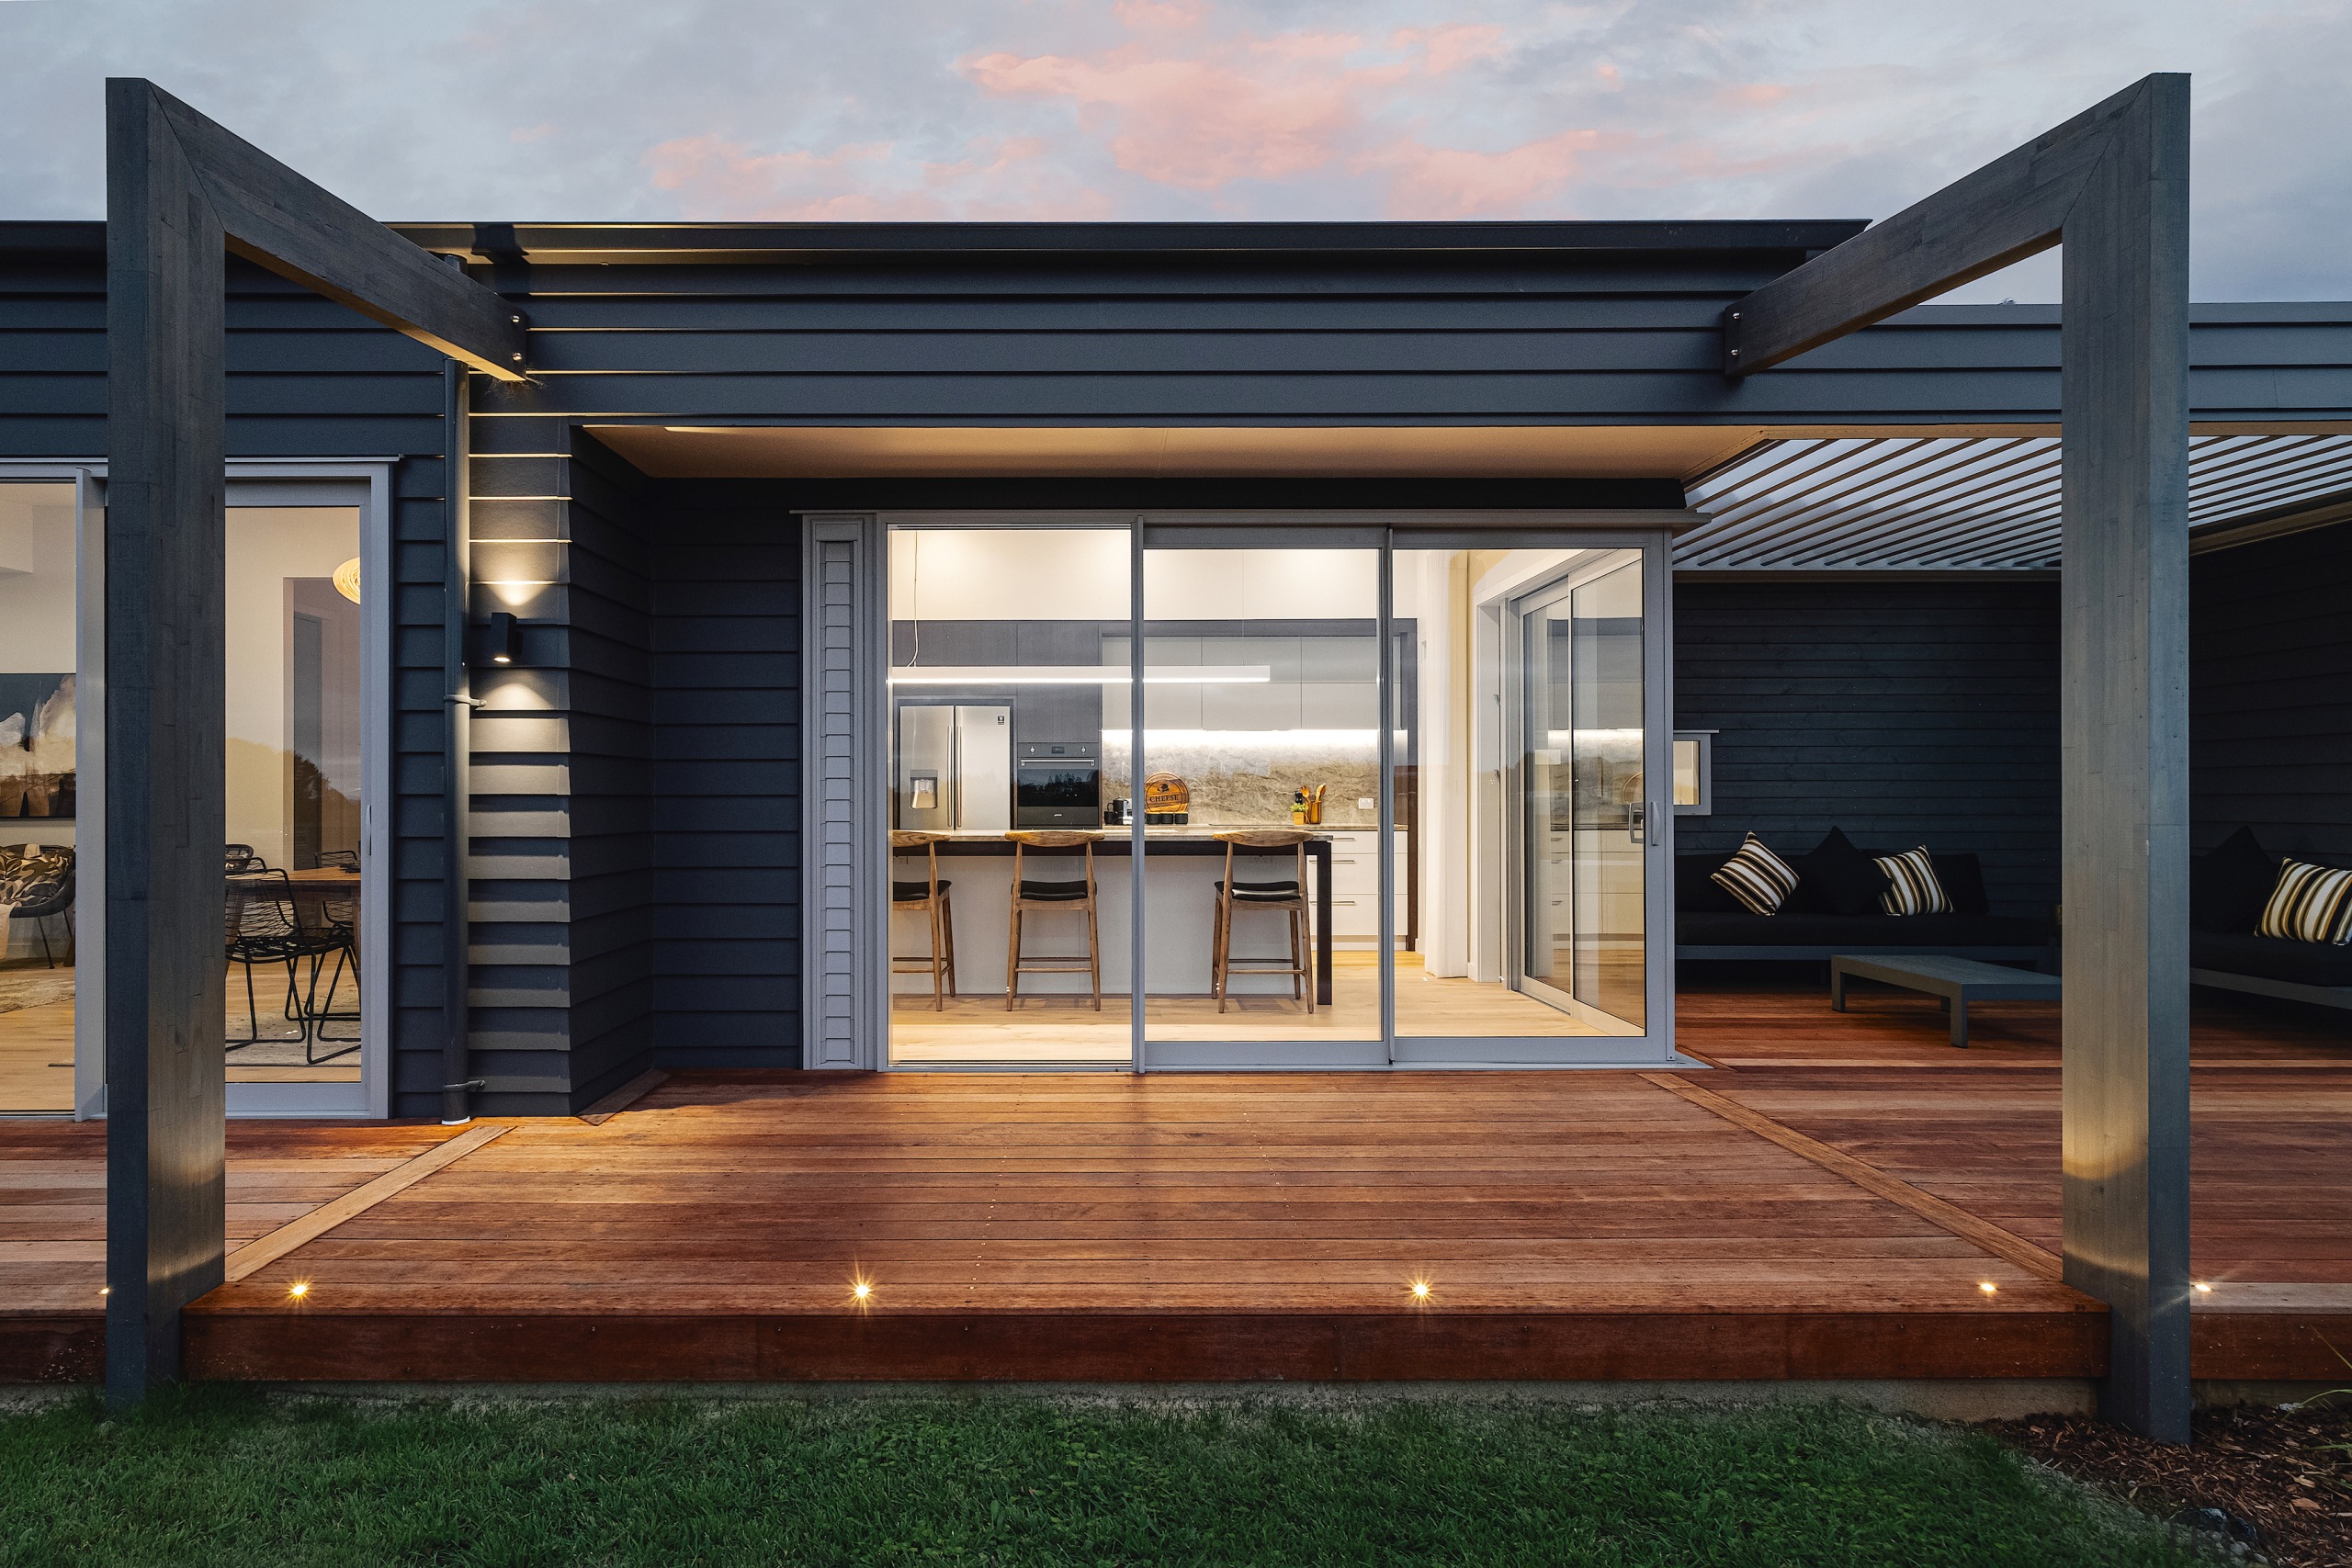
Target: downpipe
point(459, 1085)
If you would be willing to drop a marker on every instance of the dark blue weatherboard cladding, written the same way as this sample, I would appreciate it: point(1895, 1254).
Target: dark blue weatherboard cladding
point(2270, 692)
point(1906, 713)
point(306, 378)
point(636, 800)
point(562, 852)
point(726, 811)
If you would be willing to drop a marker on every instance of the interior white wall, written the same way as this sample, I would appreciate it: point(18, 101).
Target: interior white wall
point(266, 545)
point(1009, 574)
point(37, 577)
point(1081, 574)
point(1430, 585)
point(1252, 584)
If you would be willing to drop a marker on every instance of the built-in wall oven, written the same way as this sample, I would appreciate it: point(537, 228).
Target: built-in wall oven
point(1058, 784)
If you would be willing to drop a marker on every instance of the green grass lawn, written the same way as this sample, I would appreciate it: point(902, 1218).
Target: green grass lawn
point(229, 1477)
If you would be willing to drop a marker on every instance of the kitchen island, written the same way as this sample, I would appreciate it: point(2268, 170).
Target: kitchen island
point(1183, 867)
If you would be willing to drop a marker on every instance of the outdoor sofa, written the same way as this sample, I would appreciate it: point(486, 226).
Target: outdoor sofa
point(2227, 890)
point(1709, 923)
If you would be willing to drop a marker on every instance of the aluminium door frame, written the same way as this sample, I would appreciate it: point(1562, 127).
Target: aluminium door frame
point(1495, 602)
point(364, 483)
point(1647, 530)
point(876, 1055)
point(1519, 840)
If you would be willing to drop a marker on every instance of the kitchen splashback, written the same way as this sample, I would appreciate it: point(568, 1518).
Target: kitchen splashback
point(1242, 778)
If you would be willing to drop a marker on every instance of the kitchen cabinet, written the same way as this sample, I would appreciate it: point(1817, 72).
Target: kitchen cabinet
point(1355, 885)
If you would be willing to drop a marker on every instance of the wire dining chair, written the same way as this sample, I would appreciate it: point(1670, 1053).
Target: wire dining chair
point(262, 929)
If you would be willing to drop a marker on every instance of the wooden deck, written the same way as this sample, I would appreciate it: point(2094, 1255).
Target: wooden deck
point(1827, 1203)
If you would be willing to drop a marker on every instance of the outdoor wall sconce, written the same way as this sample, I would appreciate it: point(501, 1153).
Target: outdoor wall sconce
point(500, 640)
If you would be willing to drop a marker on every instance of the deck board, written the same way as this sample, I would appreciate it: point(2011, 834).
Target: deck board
point(1098, 1227)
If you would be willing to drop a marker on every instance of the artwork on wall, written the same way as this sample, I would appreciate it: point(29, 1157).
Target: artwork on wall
point(36, 746)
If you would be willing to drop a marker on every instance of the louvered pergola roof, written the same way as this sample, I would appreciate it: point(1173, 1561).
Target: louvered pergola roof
point(1964, 503)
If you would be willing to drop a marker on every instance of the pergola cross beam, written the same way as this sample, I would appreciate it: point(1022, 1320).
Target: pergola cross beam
point(181, 194)
point(2111, 187)
point(2013, 208)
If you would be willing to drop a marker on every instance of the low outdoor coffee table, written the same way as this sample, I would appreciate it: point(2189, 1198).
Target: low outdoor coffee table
point(1959, 981)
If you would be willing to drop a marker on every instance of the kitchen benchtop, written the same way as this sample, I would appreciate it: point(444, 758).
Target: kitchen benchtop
point(1120, 837)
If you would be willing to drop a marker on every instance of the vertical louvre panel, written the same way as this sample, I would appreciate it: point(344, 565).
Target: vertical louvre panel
point(845, 1002)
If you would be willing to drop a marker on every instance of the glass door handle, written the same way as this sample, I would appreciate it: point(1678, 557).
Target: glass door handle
point(1636, 820)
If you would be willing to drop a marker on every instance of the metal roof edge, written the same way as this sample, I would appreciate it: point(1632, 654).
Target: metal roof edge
point(754, 242)
point(2212, 312)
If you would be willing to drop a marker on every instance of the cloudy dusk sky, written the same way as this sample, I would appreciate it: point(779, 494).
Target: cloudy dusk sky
point(1204, 110)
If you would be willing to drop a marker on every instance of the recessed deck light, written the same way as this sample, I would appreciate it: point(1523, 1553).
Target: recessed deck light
point(1420, 1289)
point(2204, 1287)
point(1989, 1288)
point(861, 1292)
point(299, 1289)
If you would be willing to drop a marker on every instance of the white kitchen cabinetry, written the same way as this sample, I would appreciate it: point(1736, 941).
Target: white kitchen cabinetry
point(1355, 887)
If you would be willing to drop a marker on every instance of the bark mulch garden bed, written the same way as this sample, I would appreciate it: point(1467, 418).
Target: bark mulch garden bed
point(2286, 1471)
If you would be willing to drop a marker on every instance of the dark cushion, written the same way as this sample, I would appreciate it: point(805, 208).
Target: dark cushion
point(1263, 892)
point(1844, 881)
point(901, 892)
point(1964, 880)
point(1695, 887)
point(1918, 933)
point(1055, 892)
point(2272, 957)
point(2228, 887)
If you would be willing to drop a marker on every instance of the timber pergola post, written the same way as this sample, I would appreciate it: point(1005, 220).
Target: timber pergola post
point(2112, 184)
point(181, 193)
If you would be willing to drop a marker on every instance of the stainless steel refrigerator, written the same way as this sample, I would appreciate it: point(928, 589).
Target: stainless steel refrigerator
point(955, 768)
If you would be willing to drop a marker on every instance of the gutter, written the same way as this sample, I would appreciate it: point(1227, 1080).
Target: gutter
point(458, 1082)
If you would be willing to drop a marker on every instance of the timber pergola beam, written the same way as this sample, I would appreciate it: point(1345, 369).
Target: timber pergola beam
point(2111, 185)
point(181, 195)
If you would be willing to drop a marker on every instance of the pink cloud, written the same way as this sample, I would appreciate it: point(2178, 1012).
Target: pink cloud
point(1452, 181)
point(1140, 14)
point(1242, 107)
point(867, 182)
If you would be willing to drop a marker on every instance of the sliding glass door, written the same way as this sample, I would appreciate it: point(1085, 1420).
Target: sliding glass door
point(1536, 873)
point(1583, 812)
point(1260, 756)
point(1010, 893)
point(1203, 795)
point(305, 901)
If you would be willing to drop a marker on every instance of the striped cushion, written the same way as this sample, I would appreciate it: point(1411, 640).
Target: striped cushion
point(1760, 879)
point(1912, 888)
point(2311, 903)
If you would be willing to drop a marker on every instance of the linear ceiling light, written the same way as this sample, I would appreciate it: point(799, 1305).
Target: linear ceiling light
point(1080, 675)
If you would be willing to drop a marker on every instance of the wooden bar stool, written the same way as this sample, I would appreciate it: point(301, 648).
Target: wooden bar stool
point(928, 896)
point(1040, 897)
point(1289, 898)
